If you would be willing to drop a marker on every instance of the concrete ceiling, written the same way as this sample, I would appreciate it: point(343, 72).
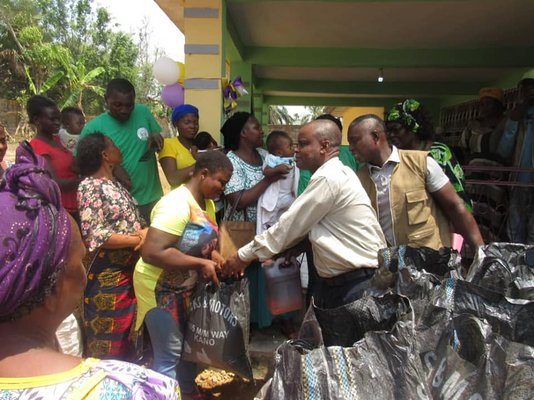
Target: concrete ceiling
point(427, 48)
point(304, 51)
point(383, 24)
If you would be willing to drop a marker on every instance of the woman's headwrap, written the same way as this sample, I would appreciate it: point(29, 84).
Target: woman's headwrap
point(403, 113)
point(232, 128)
point(182, 110)
point(35, 234)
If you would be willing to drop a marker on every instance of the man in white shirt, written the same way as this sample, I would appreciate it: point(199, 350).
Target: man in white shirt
point(414, 199)
point(334, 213)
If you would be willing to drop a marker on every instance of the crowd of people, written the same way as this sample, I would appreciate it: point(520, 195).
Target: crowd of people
point(92, 191)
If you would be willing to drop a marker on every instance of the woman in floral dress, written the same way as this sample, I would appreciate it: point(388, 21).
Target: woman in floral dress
point(113, 232)
point(243, 138)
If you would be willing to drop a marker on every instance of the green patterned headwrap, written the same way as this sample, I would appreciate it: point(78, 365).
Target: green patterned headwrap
point(403, 114)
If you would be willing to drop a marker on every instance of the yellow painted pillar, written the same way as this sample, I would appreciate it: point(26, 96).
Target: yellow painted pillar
point(204, 61)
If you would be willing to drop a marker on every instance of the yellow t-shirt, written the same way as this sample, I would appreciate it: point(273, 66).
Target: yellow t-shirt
point(174, 149)
point(171, 215)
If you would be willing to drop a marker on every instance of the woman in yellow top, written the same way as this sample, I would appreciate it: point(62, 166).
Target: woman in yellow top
point(177, 158)
point(180, 245)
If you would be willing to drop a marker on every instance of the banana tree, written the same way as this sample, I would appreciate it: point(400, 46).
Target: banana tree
point(79, 81)
point(46, 86)
point(279, 115)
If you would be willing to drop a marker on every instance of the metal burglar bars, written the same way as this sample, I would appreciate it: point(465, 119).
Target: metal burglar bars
point(489, 188)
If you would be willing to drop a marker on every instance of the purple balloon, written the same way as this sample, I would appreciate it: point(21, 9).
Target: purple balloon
point(173, 95)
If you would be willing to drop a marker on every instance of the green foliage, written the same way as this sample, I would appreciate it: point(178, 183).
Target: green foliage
point(46, 86)
point(147, 87)
point(312, 113)
point(65, 49)
point(279, 115)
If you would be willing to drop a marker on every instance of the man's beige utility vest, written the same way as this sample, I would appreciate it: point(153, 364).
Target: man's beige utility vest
point(417, 219)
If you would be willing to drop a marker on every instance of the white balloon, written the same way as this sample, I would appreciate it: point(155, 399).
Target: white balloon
point(166, 71)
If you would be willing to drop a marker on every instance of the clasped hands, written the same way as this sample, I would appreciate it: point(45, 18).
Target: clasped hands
point(233, 266)
point(211, 268)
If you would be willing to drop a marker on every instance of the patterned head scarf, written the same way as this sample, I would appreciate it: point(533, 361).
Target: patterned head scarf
point(34, 235)
point(403, 113)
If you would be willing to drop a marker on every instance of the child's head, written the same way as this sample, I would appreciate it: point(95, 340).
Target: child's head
point(73, 120)
point(204, 141)
point(280, 144)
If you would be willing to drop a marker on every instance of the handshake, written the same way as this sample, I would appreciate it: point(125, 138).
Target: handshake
point(210, 269)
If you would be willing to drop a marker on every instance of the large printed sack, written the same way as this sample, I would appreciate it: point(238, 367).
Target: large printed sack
point(475, 343)
point(443, 354)
point(382, 365)
point(463, 358)
point(507, 268)
point(413, 271)
point(511, 318)
point(470, 361)
point(345, 325)
point(218, 327)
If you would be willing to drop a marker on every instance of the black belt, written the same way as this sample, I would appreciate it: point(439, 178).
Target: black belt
point(350, 276)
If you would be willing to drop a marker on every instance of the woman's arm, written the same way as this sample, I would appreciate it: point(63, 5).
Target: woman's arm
point(119, 240)
point(175, 176)
point(159, 250)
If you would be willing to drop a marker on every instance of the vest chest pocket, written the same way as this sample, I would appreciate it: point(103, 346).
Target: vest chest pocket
point(417, 207)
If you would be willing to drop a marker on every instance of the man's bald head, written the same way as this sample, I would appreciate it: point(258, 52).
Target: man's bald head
point(370, 121)
point(317, 143)
point(367, 139)
point(324, 129)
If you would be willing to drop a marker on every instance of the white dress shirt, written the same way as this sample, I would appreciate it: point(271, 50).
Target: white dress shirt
point(336, 214)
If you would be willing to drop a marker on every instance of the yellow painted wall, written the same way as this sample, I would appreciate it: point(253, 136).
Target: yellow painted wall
point(350, 113)
point(205, 66)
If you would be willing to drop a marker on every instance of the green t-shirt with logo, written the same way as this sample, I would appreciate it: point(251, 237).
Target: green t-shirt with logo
point(345, 156)
point(131, 137)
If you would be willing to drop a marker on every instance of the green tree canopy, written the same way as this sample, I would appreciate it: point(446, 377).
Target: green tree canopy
point(64, 48)
point(279, 115)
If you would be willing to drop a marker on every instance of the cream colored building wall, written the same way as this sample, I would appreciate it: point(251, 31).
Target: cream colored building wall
point(348, 114)
point(205, 67)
